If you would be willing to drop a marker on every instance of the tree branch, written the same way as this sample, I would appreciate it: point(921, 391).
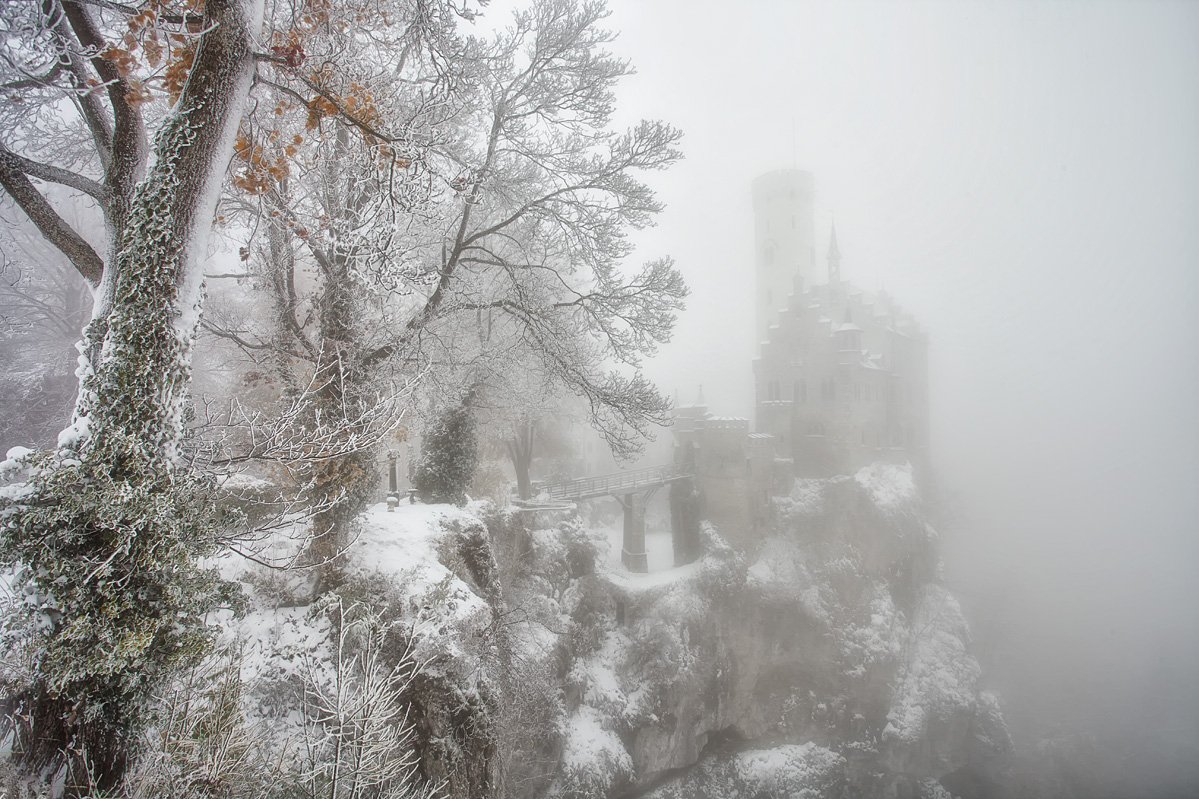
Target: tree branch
point(54, 174)
point(47, 220)
point(129, 148)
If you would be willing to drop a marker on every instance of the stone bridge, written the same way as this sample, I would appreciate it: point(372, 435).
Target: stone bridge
point(633, 490)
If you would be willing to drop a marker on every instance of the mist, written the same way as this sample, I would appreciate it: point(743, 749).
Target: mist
point(1024, 179)
point(393, 414)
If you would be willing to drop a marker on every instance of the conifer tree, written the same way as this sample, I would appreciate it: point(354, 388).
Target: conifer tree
point(449, 455)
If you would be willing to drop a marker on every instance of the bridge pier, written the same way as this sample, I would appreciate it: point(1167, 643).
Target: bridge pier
point(632, 550)
point(633, 491)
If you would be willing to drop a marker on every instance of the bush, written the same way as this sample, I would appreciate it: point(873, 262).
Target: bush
point(449, 457)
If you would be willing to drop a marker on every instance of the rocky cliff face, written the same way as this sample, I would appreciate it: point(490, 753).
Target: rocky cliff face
point(828, 654)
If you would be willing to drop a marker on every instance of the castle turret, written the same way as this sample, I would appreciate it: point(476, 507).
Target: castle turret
point(784, 235)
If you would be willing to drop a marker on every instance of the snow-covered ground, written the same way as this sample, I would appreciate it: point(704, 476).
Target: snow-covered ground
point(659, 552)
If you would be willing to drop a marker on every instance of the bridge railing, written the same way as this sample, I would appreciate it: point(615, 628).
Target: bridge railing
point(614, 483)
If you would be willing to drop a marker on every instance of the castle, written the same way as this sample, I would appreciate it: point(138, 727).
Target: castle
point(840, 375)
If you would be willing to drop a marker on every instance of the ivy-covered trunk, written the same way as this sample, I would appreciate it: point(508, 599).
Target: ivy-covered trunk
point(106, 541)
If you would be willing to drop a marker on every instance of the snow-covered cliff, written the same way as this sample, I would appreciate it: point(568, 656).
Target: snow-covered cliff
point(826, 662)
point(832, 635)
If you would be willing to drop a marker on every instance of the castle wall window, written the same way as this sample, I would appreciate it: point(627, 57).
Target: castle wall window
point(801, 391)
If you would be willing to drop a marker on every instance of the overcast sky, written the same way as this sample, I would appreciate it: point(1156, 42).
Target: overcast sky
point(1023, 178)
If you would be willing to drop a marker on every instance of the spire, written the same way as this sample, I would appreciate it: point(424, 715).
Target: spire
point(834, 259)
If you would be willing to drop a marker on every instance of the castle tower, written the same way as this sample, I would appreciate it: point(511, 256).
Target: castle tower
point(785, 241)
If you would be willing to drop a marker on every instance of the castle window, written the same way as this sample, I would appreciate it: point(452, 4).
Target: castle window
point(857, 392)
point(801, 391)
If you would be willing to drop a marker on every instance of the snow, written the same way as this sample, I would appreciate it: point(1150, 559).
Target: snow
point(277, 641)
point(659, 552)
point(403, 539)
point(71, 436)
point(245, 482)
point(891, 487)
point(806, 499)
point(593, 758)
point(17, 453)
point(596, 675)
point(404, 543)
point(14, 467)
point(941, 677)
point(795, 771)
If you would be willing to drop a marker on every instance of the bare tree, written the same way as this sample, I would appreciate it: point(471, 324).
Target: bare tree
point(332, 172)
point(546, 195)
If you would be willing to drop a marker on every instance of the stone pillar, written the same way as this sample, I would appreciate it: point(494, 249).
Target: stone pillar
point(632, 553)
point(393, 483)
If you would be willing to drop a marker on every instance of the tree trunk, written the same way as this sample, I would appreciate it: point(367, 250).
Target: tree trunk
point(109, 533)
point(520, 452)
point(344, 481)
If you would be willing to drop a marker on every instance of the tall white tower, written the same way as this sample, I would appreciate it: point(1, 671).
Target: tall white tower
point(785, 241)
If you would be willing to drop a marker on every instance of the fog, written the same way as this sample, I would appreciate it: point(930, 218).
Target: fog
point(1021, 177)
point(1024, 178)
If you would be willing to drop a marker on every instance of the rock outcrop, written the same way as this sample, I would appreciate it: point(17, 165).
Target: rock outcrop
point(832, 632)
